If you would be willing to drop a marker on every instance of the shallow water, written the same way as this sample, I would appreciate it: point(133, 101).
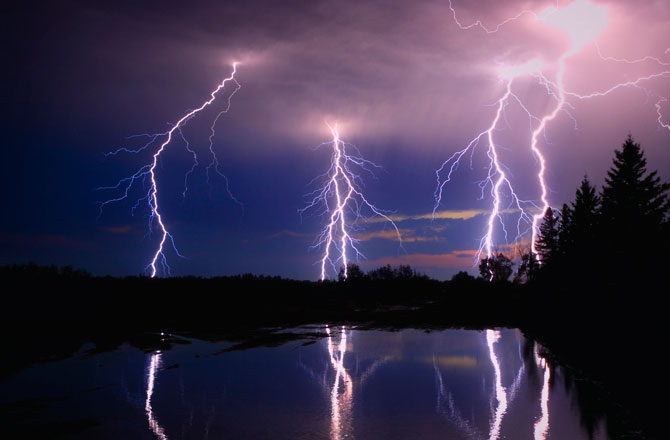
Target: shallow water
point(351, 384)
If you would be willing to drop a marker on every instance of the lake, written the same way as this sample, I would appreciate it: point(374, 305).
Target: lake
point(345, 384)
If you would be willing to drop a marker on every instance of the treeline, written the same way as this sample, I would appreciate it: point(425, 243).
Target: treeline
point(38, 272)
point(384, 273)
point(617, 236)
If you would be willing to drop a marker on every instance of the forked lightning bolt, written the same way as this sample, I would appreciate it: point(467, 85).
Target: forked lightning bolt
point(496, 177)
point(582, 22)
point(148, 172)
point(342, 202)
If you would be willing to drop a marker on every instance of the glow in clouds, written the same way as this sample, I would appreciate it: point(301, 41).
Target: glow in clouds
point(342, 201)
point(148, 172)
point(582, 22)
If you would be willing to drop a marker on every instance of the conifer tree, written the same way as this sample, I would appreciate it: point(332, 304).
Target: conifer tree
point(565, 231)
point(635, 210)
point(547, 242)
point(584, 219)
point(631, 195)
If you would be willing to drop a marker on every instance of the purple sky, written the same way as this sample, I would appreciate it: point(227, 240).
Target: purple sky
point(406, 84)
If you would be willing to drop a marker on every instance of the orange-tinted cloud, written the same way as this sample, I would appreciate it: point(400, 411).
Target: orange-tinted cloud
point(462, 214)
point(288, 233)
point(407, 236)
point(454, 259)
point(119, 229)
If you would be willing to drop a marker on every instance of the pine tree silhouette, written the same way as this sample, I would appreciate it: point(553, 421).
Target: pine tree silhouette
point(547, 243)
point(565, 230)
point(634, 211)
point(584, 216)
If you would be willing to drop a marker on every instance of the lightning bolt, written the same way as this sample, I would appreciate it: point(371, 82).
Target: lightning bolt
point(148, 172)
point(582, 22)
point(340, 198)
point(496, 178)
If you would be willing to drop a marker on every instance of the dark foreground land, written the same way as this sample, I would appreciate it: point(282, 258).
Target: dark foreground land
point(611, 336)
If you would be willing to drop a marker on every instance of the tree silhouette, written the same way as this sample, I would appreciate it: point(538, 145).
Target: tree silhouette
point(629, 195)
point(547, 242)
point(635, 210)
point(462, 277)
point(496, 268)
point(528, 267)
point(354, 272)
point(565, 231)
point(578, 235)
point(584, 215)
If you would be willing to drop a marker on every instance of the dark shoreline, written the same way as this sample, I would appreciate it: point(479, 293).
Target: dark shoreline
point(248, 311)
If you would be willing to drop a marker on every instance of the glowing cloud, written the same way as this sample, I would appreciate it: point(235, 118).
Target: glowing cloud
point(581, 21)
point(527, 68)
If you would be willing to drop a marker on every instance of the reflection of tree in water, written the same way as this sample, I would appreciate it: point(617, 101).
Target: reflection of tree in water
point(585, 396)
point(592, 406)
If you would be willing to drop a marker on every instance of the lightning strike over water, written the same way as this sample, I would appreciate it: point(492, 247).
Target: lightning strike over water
point(148, 172)
point(582, 22)
point(342, 201)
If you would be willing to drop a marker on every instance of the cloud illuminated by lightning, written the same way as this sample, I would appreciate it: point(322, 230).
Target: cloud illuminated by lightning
point(148, 172)
point(342, 201)
point(582, 22)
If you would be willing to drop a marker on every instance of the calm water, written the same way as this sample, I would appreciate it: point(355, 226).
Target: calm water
point(452, 384)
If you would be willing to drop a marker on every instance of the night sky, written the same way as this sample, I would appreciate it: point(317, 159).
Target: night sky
point(406, 85)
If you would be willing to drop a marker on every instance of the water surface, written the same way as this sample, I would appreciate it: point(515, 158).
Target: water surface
point(350, 384)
